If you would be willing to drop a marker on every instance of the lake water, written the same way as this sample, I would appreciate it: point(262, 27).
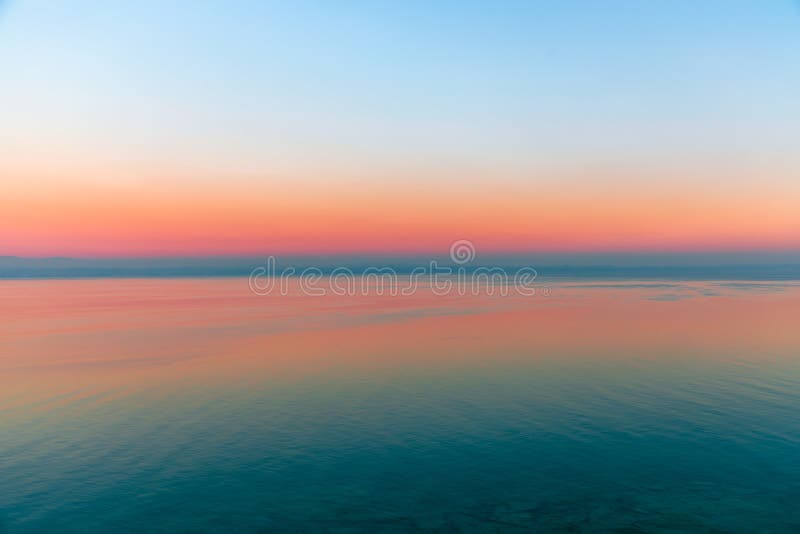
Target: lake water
point(193, 405)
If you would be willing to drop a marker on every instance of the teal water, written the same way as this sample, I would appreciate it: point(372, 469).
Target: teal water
point(195, 406)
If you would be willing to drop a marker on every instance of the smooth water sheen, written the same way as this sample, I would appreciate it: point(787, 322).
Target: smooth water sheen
point(193, 405)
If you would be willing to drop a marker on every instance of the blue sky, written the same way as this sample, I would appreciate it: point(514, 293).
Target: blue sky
point(238, 83)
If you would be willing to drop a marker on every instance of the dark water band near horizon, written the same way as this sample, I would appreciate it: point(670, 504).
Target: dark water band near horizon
point(759, 265)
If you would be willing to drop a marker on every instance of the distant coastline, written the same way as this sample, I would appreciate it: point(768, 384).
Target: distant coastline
point(717, 266)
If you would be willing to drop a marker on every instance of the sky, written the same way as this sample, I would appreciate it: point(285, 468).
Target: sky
point(312, 127)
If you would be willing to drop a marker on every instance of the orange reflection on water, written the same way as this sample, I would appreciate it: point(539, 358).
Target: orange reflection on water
point(68, 339)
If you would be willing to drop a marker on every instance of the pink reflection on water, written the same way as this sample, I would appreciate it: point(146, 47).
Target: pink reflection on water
point(65, 340)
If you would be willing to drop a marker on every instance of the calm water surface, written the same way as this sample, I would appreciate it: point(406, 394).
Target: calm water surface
point(193, 405)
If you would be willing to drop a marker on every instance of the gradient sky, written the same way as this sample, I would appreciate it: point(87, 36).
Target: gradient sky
point(200, 128)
